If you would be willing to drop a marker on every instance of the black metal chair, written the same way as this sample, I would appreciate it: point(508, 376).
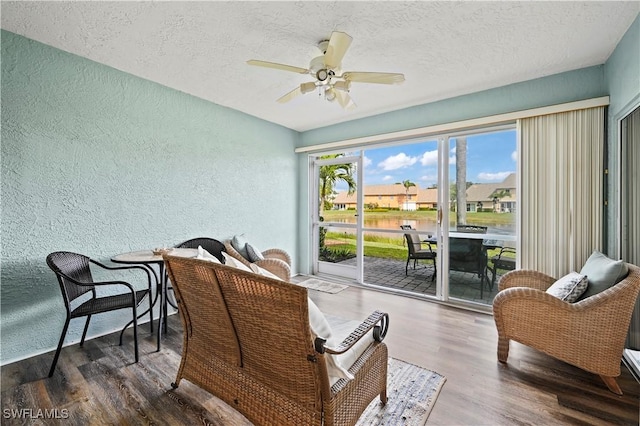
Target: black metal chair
point(416, 252)
point(502, 262)
point(469, 254)
point(74, 276)
point(214, 247)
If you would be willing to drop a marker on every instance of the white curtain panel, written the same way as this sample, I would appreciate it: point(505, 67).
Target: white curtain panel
point(562, 168)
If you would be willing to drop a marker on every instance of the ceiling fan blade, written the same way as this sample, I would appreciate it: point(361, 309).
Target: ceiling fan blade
point(277, 66)
point(292, 94)
point(374, 77)
point(338, 45)
point(301, 90)
point(345, 100)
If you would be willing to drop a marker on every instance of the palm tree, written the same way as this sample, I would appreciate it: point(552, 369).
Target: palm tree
point(330, 175)
point(407, 184)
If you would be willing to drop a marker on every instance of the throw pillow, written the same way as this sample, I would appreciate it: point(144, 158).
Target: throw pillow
point(239, 242)
point(230, 261)
point(253, 253)
point(603, 273)
point(205, 255)
point(261, 271)
point(569, 287)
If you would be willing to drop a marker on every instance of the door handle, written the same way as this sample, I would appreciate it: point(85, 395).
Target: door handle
point(439, 216)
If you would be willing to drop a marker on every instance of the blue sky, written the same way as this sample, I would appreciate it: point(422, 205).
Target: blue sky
point(490, 158)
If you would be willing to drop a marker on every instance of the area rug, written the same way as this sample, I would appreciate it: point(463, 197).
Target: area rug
point(327, 287)
point(411, 394)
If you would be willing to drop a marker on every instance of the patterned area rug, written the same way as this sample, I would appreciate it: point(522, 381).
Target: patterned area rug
point(411, 394)
point(327, 287)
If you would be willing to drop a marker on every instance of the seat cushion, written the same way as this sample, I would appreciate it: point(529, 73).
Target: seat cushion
point(602, 273)
point(569, 288)
point(341, 328)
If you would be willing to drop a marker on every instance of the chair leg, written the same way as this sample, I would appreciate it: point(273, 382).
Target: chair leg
point(503, 349)
point(86, 327)
point(383, 397)
point(55, 357)
point(135, 332)
point(435, 270)
point(612, 384)
point(406, 268)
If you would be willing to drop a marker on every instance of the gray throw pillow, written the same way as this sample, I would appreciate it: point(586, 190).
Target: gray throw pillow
point(254, 253)
point(239, 242)
point(569, 287)
point(602, 273)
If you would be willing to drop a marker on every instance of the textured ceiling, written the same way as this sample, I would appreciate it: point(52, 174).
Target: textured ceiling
point(445, 49)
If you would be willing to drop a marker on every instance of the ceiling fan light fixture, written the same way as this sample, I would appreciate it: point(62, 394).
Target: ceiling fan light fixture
point(307, 87)
point(330, 94)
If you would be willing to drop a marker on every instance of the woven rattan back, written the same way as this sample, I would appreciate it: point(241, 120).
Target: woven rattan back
point(204, 314)
point(252, 321)
point(67, 265)
point(272, 323)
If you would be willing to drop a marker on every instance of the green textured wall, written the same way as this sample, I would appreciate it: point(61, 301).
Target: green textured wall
point(100, 162)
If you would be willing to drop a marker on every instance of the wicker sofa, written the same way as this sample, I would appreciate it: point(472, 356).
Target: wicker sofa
point(276, 261)
point(247, 340)
point(589, 334)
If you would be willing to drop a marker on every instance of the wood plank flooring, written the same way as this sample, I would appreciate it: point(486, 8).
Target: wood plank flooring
point(99, 384)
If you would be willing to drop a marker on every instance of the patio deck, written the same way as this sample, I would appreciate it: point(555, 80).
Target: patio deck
point(391, 273)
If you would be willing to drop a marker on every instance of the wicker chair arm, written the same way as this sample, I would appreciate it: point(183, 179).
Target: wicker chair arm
point(277, 267)
point(526, 278)
point(231, 251)
point(378, 321)
point(275, 253)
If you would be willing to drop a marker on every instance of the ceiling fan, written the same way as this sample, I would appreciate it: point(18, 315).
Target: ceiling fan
point(329, 79)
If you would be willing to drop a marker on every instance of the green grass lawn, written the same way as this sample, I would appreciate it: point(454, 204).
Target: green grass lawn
point(384, 247)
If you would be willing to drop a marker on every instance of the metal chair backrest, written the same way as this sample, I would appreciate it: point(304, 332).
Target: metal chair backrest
point(70, 266)
point(213, 246)
point(413, 243)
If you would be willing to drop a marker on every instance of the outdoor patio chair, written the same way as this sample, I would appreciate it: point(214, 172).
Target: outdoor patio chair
point(214, 247)
point(254, 346)
point(76, 282)
point(589, 334)
point(504, 260)
point(468, 254)
point(415, 252)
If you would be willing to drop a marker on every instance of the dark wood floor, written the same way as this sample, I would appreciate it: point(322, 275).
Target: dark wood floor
point(99, 384)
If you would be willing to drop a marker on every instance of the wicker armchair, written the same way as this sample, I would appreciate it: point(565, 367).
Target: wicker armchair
point(276, 261)
point(251, 346)
point(588, 334)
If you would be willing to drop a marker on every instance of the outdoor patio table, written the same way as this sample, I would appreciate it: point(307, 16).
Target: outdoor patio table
point(147, 258)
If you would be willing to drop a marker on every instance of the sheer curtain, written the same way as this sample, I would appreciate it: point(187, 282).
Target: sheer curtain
point(562, 169)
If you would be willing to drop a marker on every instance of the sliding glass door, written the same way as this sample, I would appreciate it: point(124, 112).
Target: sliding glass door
point(336, 239)
point(424, 217)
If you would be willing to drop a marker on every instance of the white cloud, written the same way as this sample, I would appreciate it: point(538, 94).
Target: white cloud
point(366, 161)
point(387, 178)
point(493, 177)
point(397, 162)
point(429, 178)
point(429, 158)
point(514, 156)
